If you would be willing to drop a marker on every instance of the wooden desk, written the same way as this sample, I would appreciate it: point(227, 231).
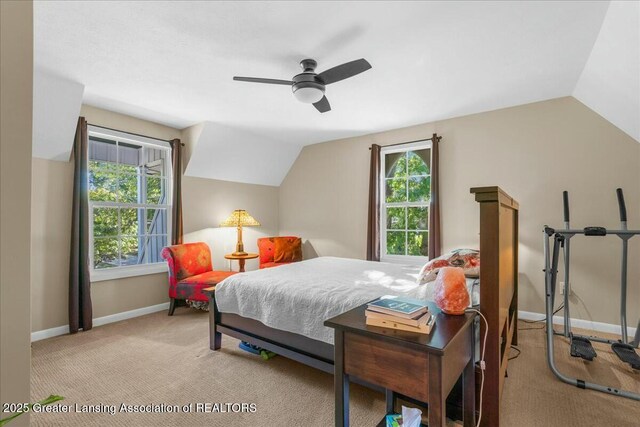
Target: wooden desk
point(241, 259)
point(422, 367)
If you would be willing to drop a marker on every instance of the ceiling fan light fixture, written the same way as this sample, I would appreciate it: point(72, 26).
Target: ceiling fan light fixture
point(308, 94)
point(308, 86)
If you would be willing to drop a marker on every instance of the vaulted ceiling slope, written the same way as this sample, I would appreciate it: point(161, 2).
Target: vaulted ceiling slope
point(173, 63)
point(56, 106)
point(610, 81)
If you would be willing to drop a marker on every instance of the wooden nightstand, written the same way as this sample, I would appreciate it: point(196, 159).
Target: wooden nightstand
point(241, 259)
point(421, 367)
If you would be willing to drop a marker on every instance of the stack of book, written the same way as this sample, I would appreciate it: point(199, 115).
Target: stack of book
point(401, 314)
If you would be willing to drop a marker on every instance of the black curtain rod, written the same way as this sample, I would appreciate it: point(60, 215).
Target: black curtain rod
point(434, 137)
point(136, 134)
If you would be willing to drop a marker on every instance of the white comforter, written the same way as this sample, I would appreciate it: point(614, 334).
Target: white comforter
point(299, 297)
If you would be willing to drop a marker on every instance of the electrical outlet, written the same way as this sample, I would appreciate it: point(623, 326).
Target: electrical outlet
point(562, 288)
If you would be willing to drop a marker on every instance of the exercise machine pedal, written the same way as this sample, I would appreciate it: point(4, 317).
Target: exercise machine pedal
point(627, 354)
point(581, 347)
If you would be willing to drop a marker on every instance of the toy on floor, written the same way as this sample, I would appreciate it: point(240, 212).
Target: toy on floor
point(265, 354)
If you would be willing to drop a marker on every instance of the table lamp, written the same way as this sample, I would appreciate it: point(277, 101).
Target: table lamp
point(240, 218)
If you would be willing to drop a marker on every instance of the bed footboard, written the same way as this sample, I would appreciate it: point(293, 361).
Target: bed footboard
point(498, 290)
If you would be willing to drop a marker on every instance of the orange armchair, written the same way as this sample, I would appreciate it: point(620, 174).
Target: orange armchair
point(190, 271)
point(275, 251)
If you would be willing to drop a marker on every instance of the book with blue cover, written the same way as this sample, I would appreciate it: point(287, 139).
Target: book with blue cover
point(407, 308)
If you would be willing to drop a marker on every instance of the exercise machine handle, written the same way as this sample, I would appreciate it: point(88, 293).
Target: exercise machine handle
point(621, 205)
point(565, 201)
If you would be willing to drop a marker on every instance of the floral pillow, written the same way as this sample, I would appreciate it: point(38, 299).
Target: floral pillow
point(467, 259)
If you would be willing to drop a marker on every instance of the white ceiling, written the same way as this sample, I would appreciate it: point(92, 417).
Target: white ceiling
point(56, 106)
point(610, 81)
point(173, 63)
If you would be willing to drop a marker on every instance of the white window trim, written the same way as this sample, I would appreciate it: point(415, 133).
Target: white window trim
point(127, 271)
point(126, 137)
point(399, 259)
point(99, 275)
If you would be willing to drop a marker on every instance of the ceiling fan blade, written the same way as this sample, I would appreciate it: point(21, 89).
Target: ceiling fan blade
point(344, 71)
point(323, 105)
point(259, 80)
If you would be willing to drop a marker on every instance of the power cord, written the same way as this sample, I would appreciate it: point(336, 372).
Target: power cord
point(483, 366)
point(516, 349)
point(539, 320)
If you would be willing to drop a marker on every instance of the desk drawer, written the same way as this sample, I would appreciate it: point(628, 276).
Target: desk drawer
point(401, 369)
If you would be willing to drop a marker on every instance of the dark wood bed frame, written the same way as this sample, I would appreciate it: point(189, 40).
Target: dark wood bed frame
point(498, 303)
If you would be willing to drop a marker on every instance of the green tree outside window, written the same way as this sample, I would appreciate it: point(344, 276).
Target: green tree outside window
point(122, 228)
point(407, 196)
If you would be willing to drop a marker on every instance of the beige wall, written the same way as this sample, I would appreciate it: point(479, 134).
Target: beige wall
point(533, 152)
point(205, 204)
point(51, 193)
point(16, 106)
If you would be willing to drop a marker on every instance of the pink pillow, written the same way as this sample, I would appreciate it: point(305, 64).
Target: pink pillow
point(467, 259)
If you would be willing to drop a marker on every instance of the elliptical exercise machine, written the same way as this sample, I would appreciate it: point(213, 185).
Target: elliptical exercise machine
point(580, 344)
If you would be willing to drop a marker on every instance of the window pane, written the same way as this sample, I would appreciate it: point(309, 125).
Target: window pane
point(102, 150)
point(418, 243)
point(129, 157)
point(418, 219)
point(156, 221)
point(396, 190)
point(396, 218)
point(105, 252)
point(153, 247)
point(395, 165)
point(128, 186)
point(419, 162)
point(129, 251)
point(104, 167)
point(130, 218)
point(105, 222)
point(155, 159)
point(128, 170)
point(420, 189)
point(102, 185)
point(156, 190)
point(396, 242)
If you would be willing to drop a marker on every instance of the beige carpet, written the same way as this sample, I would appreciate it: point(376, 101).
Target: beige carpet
point(158, 359)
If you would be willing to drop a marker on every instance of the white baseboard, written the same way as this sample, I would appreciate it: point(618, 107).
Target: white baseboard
point(99, 321)
point(579, 323)
point(48, 333)
point(524, 315)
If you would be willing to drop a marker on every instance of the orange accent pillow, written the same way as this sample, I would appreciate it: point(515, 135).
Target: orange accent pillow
point(287, 250)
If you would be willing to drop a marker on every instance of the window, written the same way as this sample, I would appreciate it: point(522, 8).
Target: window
point(129, 203)
point(405, 198)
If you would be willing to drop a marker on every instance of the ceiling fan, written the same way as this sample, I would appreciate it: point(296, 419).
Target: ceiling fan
point(308, 87)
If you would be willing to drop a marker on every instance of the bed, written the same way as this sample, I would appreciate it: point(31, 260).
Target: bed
point(318, 289)
point(283, 309)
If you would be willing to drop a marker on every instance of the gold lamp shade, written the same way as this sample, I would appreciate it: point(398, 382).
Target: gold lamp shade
point(240, 218)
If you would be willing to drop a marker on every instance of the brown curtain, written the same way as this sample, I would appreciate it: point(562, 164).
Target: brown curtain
point(434, 207)
point(176, 203)
point(80, 310)
point(373, 230)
